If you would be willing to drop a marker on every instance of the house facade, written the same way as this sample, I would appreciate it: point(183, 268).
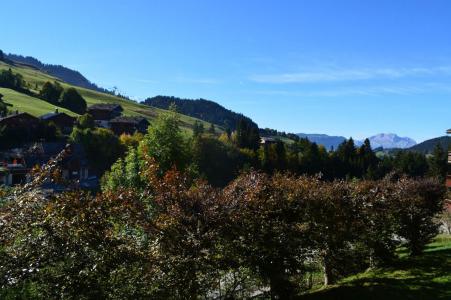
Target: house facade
point(16, 164)
point(17, 120)
point(103, 113)
point(61, 120)
point(129, 125)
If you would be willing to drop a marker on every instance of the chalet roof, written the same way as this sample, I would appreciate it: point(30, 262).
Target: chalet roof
point(448, 131)
point(54, 114)
point(106, 107)
point(129, 120)
point(19, 115)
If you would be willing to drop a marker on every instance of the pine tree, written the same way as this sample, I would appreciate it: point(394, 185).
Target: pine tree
point(438, 163)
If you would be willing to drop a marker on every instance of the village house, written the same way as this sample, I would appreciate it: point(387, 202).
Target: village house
point(20, 121)
point(61, 120)
point(13, 172)
point(129, 125)
point(103, 113)
point(16, 164)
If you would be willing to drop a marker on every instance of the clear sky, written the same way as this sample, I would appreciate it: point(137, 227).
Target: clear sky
point(352, 68)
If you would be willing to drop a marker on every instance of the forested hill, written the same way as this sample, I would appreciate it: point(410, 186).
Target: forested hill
point(428, 145)
point(68, 75)
point(206, 110)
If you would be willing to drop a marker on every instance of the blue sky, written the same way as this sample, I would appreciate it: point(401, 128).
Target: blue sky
point(352, 68)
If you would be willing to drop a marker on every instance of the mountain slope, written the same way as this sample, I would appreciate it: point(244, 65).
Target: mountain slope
point(206, 110)
point(66, 74)
point(390, 140)
point(327, 141)
point(428, 145)
point(35, 79)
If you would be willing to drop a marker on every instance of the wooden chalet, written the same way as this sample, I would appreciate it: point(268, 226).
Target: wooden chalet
point(129, 125)
point(103, 113)
point(16, 164)
point(20, 121)
point(61, 120)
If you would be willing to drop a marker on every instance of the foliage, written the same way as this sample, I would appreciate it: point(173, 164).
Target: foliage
point(438, 163)
point(86, 121)
point(10, 80)
point(216, 161)
point(181, 238)
point(102, 147)
point(419, 203)
point(3, 107)
point(51, 92)
point(166, 143)
point(247, 135)
point(72, 100)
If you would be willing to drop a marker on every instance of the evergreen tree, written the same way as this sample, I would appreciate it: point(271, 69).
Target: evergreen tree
point(367, 160)
point(211, 130)
point(198, 128)
point(2, 56)
point(3, 109)
point(438, 163)
point(247, 135)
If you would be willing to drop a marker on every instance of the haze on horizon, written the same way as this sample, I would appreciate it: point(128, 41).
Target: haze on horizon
point(348, 68)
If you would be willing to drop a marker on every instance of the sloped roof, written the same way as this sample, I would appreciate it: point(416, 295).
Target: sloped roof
point(105, 106)
point(129, 120)
point(54, 114)
point(23, 114)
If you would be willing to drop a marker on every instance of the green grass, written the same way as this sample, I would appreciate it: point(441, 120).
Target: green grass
point(34, 106)
point(36, 79)
point(424, 277)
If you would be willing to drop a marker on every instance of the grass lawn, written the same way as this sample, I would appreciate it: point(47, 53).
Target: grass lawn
point(31, 105)
point(425, 277)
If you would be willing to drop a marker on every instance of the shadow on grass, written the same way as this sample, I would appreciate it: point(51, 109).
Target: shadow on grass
point(425, 277)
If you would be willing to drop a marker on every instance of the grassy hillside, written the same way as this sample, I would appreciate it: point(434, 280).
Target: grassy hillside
point(425, 277)
point(34, 106)
point(36, 79)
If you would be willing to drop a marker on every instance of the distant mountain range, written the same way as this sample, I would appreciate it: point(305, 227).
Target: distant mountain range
point(389, 141)
point(384, 140)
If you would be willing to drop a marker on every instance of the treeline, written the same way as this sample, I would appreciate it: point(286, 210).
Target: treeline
point(202, 109)
point(175, 237)
point(220, 159)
